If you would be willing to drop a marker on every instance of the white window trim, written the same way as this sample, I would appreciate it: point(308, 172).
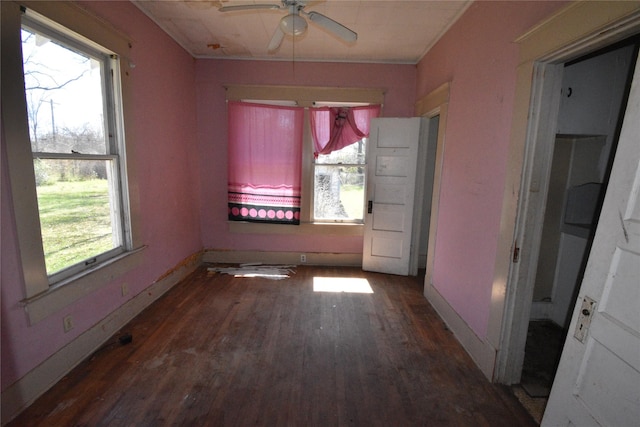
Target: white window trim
point(304, 97)
point(41, 299)
point(312, 196)
point(115, 141)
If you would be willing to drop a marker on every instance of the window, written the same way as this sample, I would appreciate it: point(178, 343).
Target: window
point(265, 147)
point(333, 179)
point(339, 184)
point(339, 136)
point(72, 94)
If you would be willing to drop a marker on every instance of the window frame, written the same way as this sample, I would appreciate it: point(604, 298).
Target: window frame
point(114, 142)
point(306, 97)
point(314, 167)
point(42, 298)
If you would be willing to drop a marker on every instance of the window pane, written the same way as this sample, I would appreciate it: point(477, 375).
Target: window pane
point(76, 210)
point(352, 154)
point(64, 97)
point(339, 193)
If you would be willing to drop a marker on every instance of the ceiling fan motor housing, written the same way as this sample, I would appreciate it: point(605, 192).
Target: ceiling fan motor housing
point(293, 25)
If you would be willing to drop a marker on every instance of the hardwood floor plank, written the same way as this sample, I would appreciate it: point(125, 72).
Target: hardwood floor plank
point(223, 351)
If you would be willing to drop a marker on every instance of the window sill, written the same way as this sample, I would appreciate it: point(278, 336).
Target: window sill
point(345, 229)
point(65, 292)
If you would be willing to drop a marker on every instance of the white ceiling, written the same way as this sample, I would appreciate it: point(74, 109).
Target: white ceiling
point(388, 31)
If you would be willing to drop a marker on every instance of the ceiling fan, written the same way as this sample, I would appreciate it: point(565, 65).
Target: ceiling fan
point(295, 25)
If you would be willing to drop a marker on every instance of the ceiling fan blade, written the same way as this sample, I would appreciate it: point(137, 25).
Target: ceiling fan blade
point(276, 40)
point(249, 7)
point(335, 27)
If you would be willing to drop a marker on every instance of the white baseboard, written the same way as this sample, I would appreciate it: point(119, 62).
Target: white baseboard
point(27, 389)
point(482, 353)
point(312, 258)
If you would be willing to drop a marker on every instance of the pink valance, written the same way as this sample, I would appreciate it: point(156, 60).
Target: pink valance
point(333, 128)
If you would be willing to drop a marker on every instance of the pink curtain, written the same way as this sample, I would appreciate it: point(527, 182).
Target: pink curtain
point(265, 156)
point(334, 128)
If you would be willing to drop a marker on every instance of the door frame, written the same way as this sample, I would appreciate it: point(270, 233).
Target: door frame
point(428, 107)
point(575, 30)
point(436, 103)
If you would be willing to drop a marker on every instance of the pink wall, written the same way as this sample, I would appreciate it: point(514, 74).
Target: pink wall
point(479, 58)
point(397, 80)
point(164, 140)
point(180, 160)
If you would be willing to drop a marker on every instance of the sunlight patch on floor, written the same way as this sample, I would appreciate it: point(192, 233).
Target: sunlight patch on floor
point(342, 284)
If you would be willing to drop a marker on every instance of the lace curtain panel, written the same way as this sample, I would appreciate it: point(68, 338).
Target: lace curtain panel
point(265, 160)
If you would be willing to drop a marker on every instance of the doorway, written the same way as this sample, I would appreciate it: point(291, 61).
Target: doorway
point(433, 110)
point(594, 90)
point(427, 162)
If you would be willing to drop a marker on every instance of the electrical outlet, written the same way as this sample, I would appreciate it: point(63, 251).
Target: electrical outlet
point(67, 323)
point(303, 258)
point(124, 289)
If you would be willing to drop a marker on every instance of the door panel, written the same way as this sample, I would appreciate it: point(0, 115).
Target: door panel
point(388, 248)
point(390, 134)
point(393, 149)
point(388, 221)
point(391, 194)
point(606, 376)
point(598, 379)
point(392, 166)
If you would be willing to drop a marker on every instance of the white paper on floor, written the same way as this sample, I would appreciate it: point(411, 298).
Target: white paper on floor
point(273, 272)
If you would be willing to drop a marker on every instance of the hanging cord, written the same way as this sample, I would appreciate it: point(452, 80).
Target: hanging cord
point(293, 58)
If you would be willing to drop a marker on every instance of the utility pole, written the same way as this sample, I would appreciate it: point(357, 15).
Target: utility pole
point(53, 123)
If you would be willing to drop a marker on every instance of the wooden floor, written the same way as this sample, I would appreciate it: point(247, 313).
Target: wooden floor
point(218, 350)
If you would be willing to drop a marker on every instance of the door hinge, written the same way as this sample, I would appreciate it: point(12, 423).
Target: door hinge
point(516, 254)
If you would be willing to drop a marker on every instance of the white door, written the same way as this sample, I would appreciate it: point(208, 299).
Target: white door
point(391, 180)
point(598, 379)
